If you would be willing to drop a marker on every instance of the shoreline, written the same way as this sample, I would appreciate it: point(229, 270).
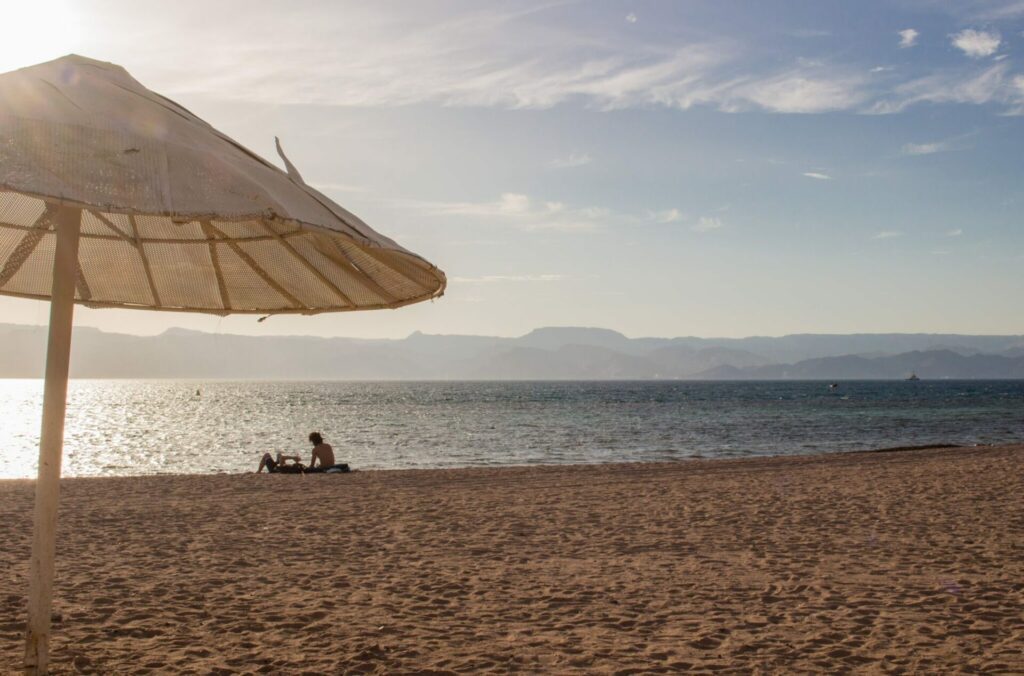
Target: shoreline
point(669, 463)
point(905, 561)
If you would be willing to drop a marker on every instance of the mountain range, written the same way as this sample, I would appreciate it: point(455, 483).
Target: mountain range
point(552, 353)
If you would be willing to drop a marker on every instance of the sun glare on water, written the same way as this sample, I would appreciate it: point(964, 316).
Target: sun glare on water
point(21, 402)
point(37, 31)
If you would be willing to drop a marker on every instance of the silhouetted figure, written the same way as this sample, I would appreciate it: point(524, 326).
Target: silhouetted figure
point(323, 455)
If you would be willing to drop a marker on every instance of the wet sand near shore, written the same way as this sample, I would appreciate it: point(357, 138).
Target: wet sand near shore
point(900, 562)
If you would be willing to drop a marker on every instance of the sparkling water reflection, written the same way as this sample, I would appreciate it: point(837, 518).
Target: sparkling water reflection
point(123, 427)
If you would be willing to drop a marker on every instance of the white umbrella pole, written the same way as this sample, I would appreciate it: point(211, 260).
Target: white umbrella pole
point(51, 441)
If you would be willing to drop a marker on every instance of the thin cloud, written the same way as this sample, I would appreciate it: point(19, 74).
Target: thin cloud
point(814, 90)
point(817, 175)
point(1003, 10)
point(519, 211)
point(810, 33)
point(572, 161)
point(525, 213)
point(487, 55)
point(631, 18)
point(908, 37)
point(924, 148)
point(493, 279)
point(976, 44)
point(667, 216)
point(339, 187)
point(707, 224)
point(887, 234)
point(1017, 95)
point(955, 232)
point(971, 86)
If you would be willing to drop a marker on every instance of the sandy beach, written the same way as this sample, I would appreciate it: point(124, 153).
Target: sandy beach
point(899, 562)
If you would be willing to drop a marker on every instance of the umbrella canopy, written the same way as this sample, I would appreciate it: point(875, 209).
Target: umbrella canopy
point(175, 215)
point(114, 196)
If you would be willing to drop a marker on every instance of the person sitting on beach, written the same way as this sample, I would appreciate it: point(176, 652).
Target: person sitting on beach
point(283, 464)
point(323, 454)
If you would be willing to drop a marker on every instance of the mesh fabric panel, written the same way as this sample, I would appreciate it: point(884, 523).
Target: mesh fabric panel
point(394, 282)
point(247, 288)
point(360, 289)
point(288, 270)
point(20, 211)
point(183, 275)
point(33, 277)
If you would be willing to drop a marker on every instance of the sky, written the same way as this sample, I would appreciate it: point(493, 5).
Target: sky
point(705, 168)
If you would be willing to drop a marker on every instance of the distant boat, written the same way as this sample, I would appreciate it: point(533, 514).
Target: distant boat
point(913, 376)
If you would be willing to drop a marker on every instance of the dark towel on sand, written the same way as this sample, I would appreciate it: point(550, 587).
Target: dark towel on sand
point(339, 468)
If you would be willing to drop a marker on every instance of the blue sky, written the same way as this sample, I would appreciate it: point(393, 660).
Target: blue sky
point(660, 168)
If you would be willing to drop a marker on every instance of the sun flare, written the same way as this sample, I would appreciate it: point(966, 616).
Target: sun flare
point(37, 31)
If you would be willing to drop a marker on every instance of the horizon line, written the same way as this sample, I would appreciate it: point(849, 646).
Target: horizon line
point(173, 329)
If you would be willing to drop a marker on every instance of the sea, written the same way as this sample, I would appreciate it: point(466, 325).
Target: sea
point(134, 427)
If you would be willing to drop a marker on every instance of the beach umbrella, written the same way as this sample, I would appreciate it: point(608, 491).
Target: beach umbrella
point(114, 196)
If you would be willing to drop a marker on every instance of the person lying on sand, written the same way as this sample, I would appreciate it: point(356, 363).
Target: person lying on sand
point(283, 464)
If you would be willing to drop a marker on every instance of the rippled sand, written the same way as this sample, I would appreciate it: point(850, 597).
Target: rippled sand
point(901, 562)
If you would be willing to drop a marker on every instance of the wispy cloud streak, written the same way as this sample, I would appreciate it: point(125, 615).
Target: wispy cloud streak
point(571, 162)
point(923, 148)
point(484, 55)
point(990, 84)
point(494, 279)
point(522, 212)
point(667, 216)
point(707, 224)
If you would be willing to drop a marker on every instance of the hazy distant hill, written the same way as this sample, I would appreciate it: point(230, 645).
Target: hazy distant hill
point(568, 353)
point(931, 364)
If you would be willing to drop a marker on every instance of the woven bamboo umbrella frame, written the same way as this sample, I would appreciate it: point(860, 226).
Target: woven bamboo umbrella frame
point(113, 196)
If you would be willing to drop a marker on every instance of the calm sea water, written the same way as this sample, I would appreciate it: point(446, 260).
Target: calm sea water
point(118, 427)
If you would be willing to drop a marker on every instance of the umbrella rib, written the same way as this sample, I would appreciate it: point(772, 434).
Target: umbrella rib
point(159, 240)
point(362, 278)
point(84, 292)
point(145, 261)
point(308, 265)
point(59, 92)
point(225, 300)
point(125, 305)
point(106, 221)
point(27, 244)
point(396, 265)
point(248, 260)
